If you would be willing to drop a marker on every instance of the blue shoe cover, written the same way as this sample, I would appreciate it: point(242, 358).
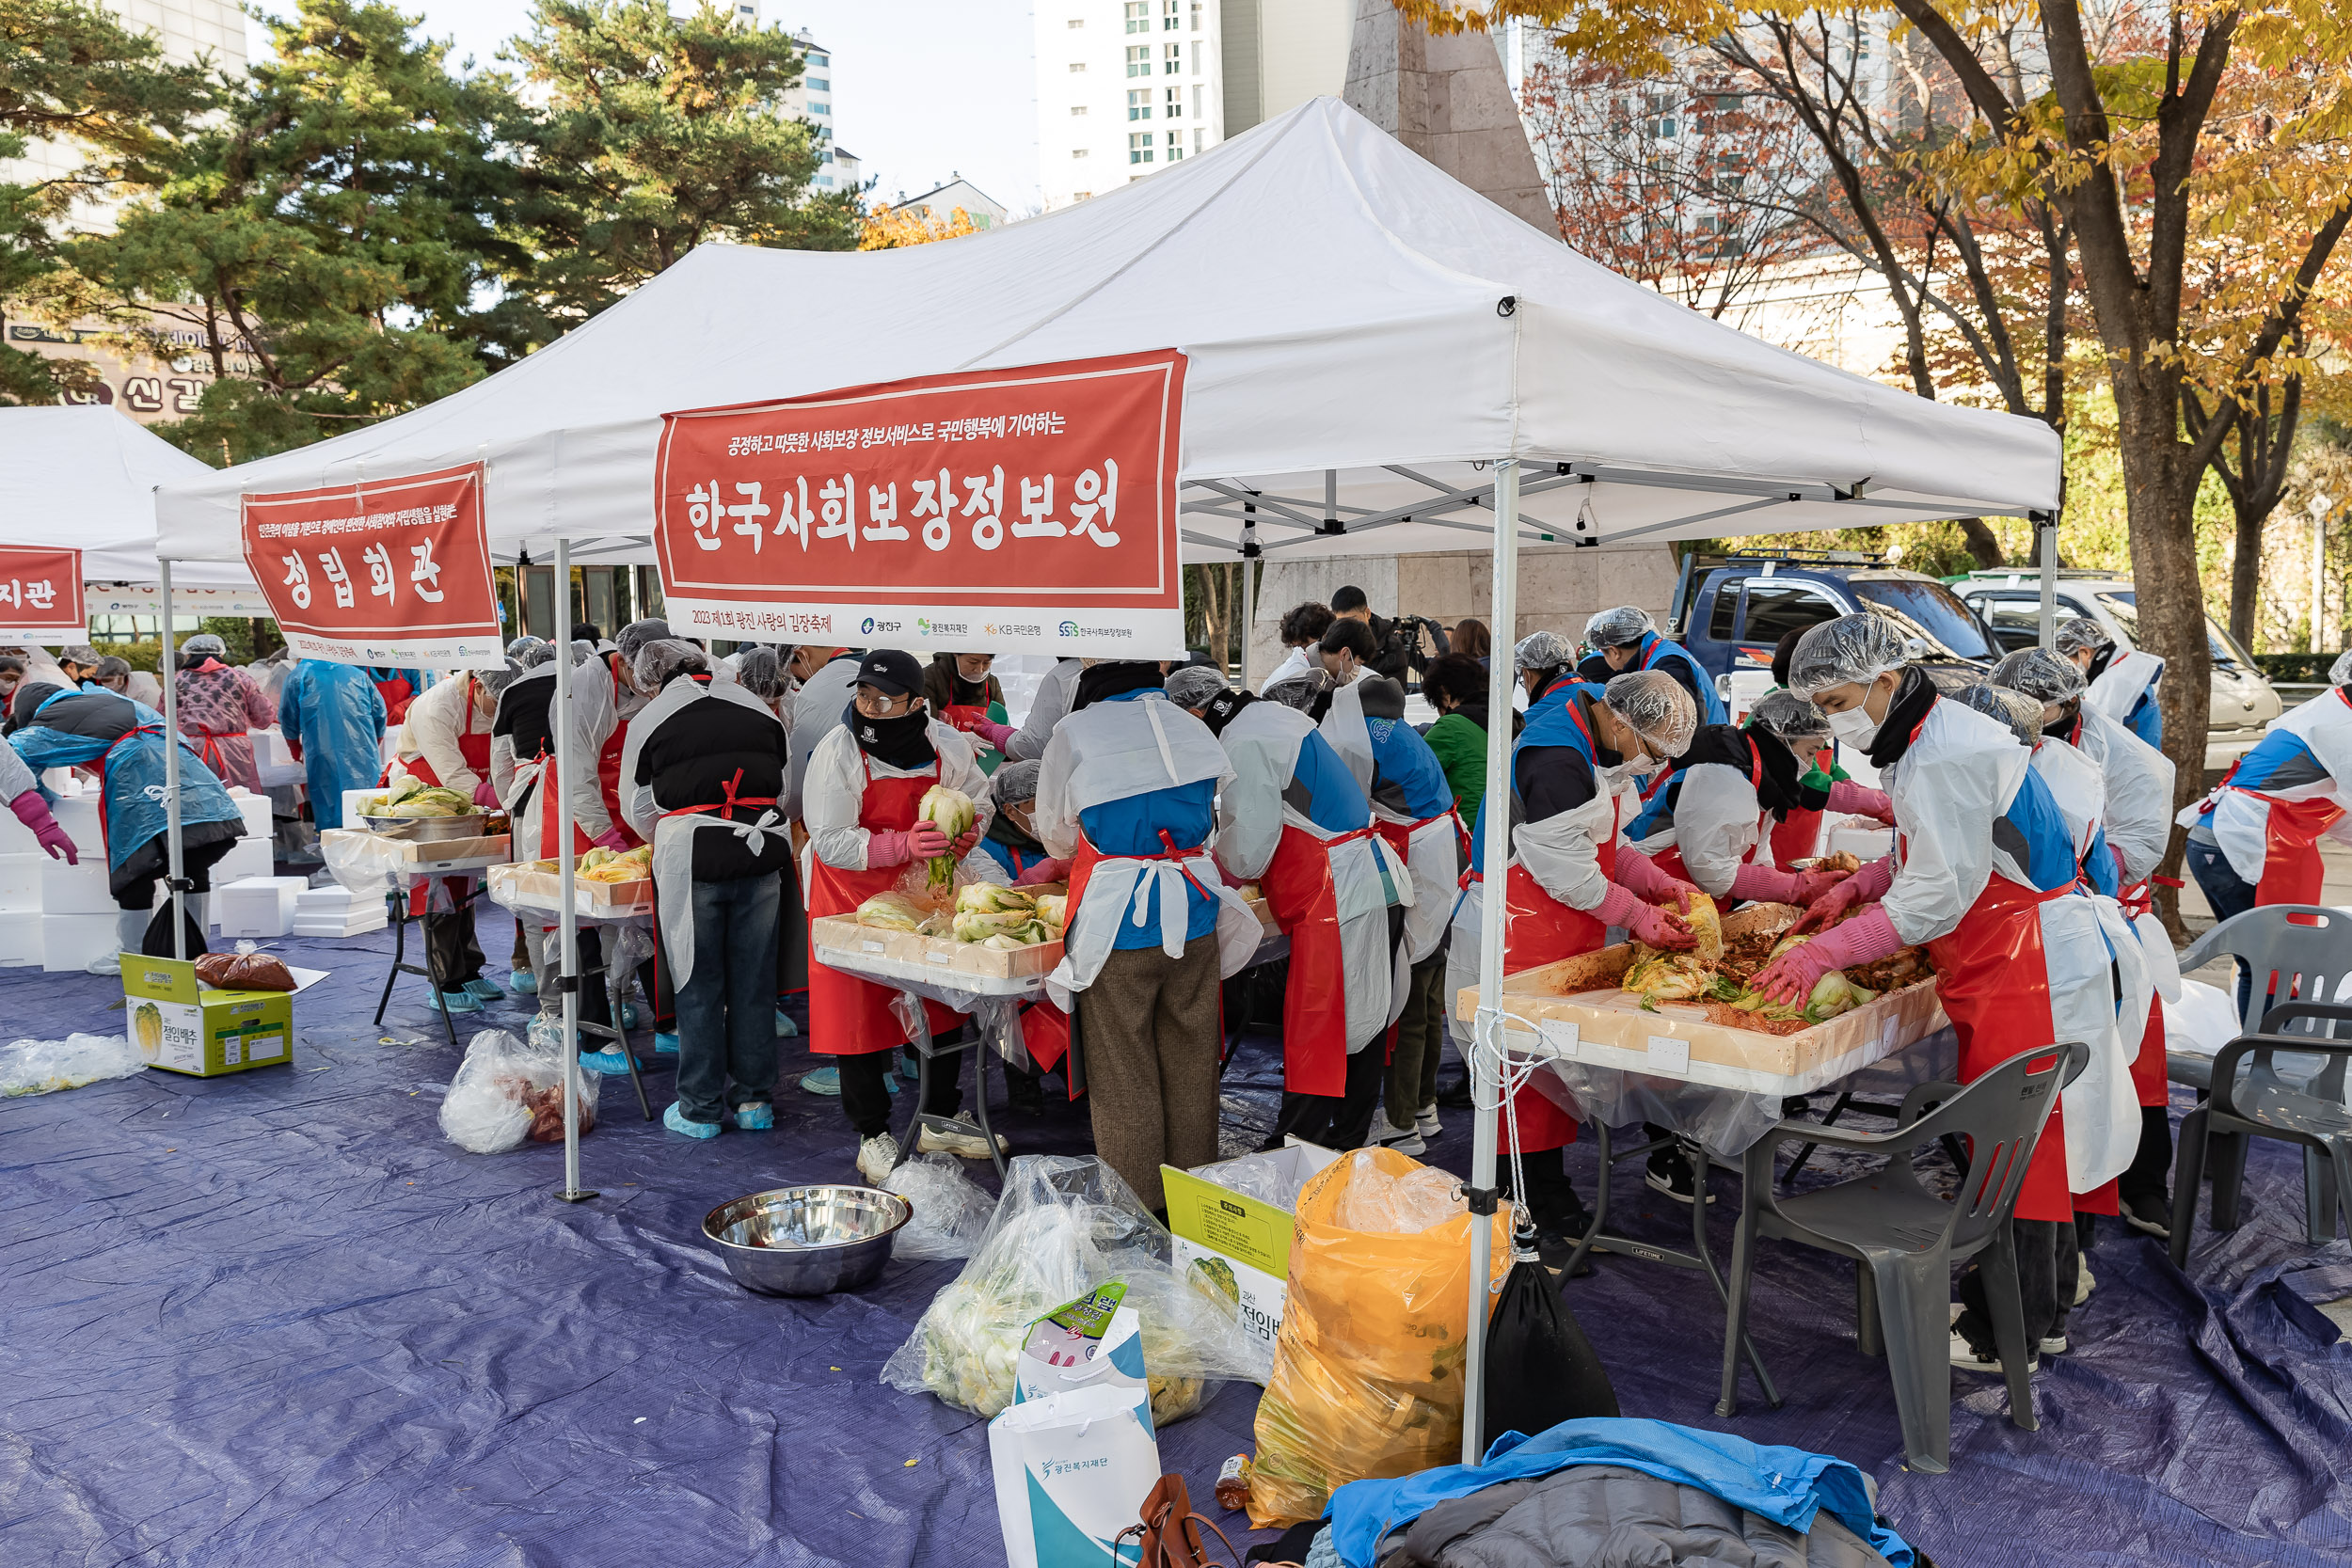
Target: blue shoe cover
point(890, 1082)
point(603, 1061)
point(485, 990)
point(785, 1028)
point(825, 1080)
point(755, 1118)
point(523, 982)
point(674, 1119)
point(628, 1015)
point(460, 1002)
point(665, 1045)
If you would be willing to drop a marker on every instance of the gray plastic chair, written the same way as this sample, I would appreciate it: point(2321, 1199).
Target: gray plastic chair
point(2289, 955)
point(1904, 1239)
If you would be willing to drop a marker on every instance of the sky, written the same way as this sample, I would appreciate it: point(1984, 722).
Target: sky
point(923, 90)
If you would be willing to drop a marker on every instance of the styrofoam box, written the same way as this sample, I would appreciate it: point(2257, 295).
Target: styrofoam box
point(274, 761)
point(79, 819)
point(351, 805)
point(20, 881)
point(334, 898)
point(247, 858)
point(257, 906)
point(255, 810)
point(69, 941)
point(15, 837)
point(1866, 844)
point(331, 930)
point(75, 889)
point(20, 938)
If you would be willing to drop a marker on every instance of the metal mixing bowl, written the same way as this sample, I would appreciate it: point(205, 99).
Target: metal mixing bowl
point(807, 1241)
point(424, 830)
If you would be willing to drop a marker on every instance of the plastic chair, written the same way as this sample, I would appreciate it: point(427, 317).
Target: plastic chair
point(1904, 1239)
point(2292, 956)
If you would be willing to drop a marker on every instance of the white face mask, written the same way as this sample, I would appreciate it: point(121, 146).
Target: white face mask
point(1855, 727)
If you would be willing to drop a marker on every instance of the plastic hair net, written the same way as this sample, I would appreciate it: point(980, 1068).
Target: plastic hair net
point(525, 652)
point(2021, 713)
point(1658, 708)
point(1015, 781)
point(660, 660)
point(583, 650)
point(2340, 672)
point(2045, 677)
point(1615, 628)
point(78, 653)
point(1543, 650)
point(1298, 691)
point(760, 672)
point(205, 643)
point(496, 681)
point(1791, 718)
point(634, 636)
point(2080, 632)
point(1194, 684)
point(1851, 650)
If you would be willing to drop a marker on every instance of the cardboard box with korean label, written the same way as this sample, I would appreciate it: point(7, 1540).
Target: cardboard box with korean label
point(1231, 1222)
point(184, 1028)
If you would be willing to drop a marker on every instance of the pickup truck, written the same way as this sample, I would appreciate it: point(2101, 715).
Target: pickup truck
point(1730, 611)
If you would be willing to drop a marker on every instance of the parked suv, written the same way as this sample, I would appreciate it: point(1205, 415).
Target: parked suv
point(2010, 603)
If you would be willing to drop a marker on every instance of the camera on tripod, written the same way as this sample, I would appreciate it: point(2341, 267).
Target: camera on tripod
point(1401, 647)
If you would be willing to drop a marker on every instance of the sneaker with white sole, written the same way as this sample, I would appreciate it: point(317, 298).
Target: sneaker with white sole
point(1427, 1122)
point(1967, 1358)
point(1404, 1143)
point(957, 1137)
point(876, 1157)
point(2083, 1282)
point(2150, 1213)
point(2052, 1344)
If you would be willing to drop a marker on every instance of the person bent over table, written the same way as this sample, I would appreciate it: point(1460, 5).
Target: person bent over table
point(1127, 794)
point(446, 741)
point(863, 786)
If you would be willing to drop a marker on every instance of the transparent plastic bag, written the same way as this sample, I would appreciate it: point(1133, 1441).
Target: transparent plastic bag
point(950, 1209)
point(1405, 1205)
point(1265, 1177)
point(1065, 1225)
point(507, 1093)
point(40, 1067)
point(1368, 1365)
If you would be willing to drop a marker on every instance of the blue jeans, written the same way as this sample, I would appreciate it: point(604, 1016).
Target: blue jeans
point(727, 1011)
point(2224, 889)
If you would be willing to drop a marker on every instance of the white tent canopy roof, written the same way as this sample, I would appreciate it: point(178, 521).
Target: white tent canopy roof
point(1364, 331)
point(83, 479)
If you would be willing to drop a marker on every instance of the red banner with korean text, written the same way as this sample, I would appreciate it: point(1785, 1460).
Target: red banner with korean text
point(41, 595)
point(1030, 509)
point(392, 571)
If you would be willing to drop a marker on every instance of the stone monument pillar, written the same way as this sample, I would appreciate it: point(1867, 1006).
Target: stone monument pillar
point(1447, 98)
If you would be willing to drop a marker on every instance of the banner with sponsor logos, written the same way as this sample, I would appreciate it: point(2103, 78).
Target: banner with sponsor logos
point(41, 595)
point(1007, 511)
point(393, 571)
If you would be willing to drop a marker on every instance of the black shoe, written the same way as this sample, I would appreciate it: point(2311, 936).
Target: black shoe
point(2151, 1214)
point(1669, 1173)
point(1554, 1242)
point(1455, 1096)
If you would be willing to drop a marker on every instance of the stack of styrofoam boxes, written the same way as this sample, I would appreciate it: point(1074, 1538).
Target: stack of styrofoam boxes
point(257, 906)
point(78, 916)
point(20, 859)
point(335, 910)
point(274, 760)
point(250, 856)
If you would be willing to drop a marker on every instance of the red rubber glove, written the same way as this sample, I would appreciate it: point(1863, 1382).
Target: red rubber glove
point(1861, 800)
point(486, 795)
point(995, 733)
point(1642, 921)
point(615, 839)
point(1866, 886)
point(1043, 871)
point(1790, 977)
point(962, 845)
point(1651, 882)
point(33, 812)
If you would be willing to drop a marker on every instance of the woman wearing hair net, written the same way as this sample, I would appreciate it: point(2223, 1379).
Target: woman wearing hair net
point(1009, 852)
point(2123, 689)
point(219, 707)
point(702, 774)
point(2138, 827)
point(1570, 879)
point(1985, 874)
point(761, 671)
point(1626, 638)
point(2255, 839)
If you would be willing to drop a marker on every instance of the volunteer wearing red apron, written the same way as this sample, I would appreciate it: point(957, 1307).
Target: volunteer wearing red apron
point(219, 707)
point(2138, 823)
point(398, 689)
point(1738, 784)
point(964, 694)
point(2255, 839)
point(1126, 793)
point(1293, 820)
point(1568, 880)
point(1984, 874)
point(446, 741)
point(2121, 683)
point(1010, 852)
point(860, 798)
point(701, 776)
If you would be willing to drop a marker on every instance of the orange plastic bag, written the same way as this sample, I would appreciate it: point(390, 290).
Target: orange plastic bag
point(1368, 1365)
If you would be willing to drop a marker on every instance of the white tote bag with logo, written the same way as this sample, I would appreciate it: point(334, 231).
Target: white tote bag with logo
point(1071, 1471)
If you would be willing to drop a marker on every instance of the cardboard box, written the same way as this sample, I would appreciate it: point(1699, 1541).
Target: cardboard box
point(69, 942)
point(547, 888)
point(842, 934)
point(181, 1026)
point(1249, 1236)
point(403, 851)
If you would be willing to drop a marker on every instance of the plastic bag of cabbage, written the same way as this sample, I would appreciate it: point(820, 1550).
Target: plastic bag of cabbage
point(1065, 1225)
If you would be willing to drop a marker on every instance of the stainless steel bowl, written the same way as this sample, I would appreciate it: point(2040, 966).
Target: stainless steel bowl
point(807, 1241)
point(424, 830)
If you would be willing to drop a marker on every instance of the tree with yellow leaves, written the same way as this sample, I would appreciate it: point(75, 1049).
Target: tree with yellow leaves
point(888, 228)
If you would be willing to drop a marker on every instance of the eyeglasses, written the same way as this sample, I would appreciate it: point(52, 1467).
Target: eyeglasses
point(876, 704)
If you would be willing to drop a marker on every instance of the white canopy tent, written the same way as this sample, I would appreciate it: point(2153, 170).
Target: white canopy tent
point(85, 479)
point(1378, 358)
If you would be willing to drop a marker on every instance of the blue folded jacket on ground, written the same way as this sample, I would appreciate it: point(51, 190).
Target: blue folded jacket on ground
point(1788, 1486)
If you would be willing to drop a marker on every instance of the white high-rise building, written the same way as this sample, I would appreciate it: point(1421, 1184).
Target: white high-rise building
point(1124, 88)
point(811, 98)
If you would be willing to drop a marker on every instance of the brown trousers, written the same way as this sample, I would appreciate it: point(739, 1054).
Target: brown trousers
point(1149, 1028)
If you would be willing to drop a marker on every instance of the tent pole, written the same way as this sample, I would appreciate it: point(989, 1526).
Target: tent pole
point(567, 922)
point(173, 861)
point(1486, 1062)
point(2045, 551)
point(1249, 613)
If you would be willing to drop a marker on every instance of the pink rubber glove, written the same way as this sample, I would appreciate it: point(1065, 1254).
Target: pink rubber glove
point(926, 842)
point(1642, 921)
point(616, 839)
point(889, 849)
point(33, 812)
point(962, 844)
point(1861, 800)
point(1650, 883)
point(486, 795)
point(1790, 977)
point(1043, 871)
point(1767, 883)
point(1866, 886)
point(995, 733)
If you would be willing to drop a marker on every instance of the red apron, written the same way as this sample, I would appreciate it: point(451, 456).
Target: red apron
point(1798, 836)
point(1538, 929)
point(846, 1016)
point(608, 786)
point(472, 744)
point(2292, 870)
point(966, 717)
point(397, 695)
point(1300, 894)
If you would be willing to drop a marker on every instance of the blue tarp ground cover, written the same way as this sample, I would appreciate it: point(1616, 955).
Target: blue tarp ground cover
point(276, 1318)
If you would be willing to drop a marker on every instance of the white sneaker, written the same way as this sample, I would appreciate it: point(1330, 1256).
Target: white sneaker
point(1426, 1123)
point(876, 1157)
point(2083, 1282)
point(110, 964)
point(1406, 1140)
point(957, 1137)
point(2054, 1344)
point(1964, 1358)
